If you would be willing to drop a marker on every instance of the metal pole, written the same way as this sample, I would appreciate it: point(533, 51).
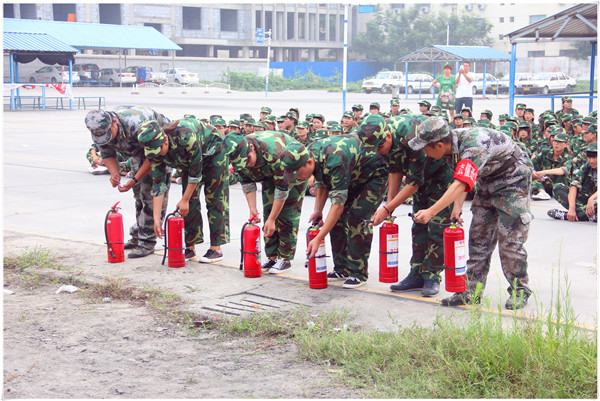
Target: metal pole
point(511, 89)
point(447, 33)
point(268, 33)
point(345, 66)
point(71, 84)
point(12, 81)
point(484, 80)
point(592, 78)
point(405, 82)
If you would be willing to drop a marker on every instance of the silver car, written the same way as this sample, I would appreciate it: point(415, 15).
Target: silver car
point(53, 75)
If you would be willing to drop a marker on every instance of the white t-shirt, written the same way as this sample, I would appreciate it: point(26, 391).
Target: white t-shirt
point(463, 88)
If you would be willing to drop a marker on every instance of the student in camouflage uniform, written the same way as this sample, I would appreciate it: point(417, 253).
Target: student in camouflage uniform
point(357, 109)
point(116, 131)
point(524, 137)
point(500, 208)
point(97, 167)
point(349, 171)
point(567, 107)
point(394, 107)
point(580, 199)
point(349, 123)
point(551, 166)
point(255, 158)
point(426, 181)
point(302, 134)
point(520, 110)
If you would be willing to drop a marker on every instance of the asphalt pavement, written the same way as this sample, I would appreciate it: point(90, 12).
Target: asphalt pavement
point(51, 200)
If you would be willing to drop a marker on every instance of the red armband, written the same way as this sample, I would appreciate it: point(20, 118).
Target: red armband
point(466, 172)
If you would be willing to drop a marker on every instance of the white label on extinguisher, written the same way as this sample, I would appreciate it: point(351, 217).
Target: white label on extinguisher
point(460, 257)
point(392, 249)
point(258, 251)
point(320, 260)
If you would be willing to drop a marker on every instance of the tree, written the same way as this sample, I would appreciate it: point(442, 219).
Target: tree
point(390, 36)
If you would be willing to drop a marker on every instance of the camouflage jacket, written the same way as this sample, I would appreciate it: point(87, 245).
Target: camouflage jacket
point(586, 180)
point(268, 145)
point(341, 164)
point(209, 138)
point(129, 120)
point(544, 161)
point(184, 153)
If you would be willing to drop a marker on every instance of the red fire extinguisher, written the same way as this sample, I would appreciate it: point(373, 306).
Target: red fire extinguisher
point(388, 251)
point(250, 259)
point(113, 232)
point(174, 240)
point(455, 258)
point(317, 266)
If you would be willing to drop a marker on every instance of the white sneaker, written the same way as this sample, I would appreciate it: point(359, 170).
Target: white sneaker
point(541, 196)
point(98, 170)
point(280, 266)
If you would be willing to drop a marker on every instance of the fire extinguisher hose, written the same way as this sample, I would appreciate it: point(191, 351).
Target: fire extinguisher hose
point(242, 250)
point(112, 254)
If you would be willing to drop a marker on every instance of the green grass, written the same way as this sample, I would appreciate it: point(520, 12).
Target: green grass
point(583, 85)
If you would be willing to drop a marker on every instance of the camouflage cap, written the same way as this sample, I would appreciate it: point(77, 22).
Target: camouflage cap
point(99, 122)
point(234, 123)
point(488, 113)
point(189, 116)
point(335, 128)
point(245, 116)
point(260, 124)
point(431, 113)
point(309, 117)
point(592, 147)
point(458, 115)
point(237, 149)
point(525, 124)
point(510, 125)
point(319, 117)
point(291, 115)
point(348, 114)
point(593, 113)
point(436, 108)
point(331, 123)
point(506, 129)
point(357, 107)
point(292, 157)
point(151, 136)
point(265, 110)
point(556, 129)
point(431, 130)
point(295, 110)
point(467, 109)
point(529, 110)
point(483, 123)
point(589, 120)
point(302, 124)
point(371, 132)
point(567, 117)
point(270, 118)
point(385, 115)
point(249, 121)
point(219, 121)
point(426, 103)
point(215, 116)
point(280, 119)
point(394, 102)
point(469, 120)
point(405, 110)
point(521, 106)
point(503, 117)
point(567, 99)
point(561, 136)
point(513, 119)
point(576, 121)
point(593, 128)
point(374, 104)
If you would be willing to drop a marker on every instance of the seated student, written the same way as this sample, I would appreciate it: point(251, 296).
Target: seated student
point(551, 167)
point(582, 196)
point(524, 136)
point(97, 166)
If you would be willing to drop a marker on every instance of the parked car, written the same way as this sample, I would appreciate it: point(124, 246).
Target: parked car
point(416, 82)
point(491, 83)
point(88, 73)
point(54, 75)
point(382, 82)
point(114, 77)
point(151, 75)
point(547, 82)
point(522, 79)
point(181, 76)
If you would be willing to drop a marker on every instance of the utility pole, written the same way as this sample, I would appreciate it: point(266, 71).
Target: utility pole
point(268, 33)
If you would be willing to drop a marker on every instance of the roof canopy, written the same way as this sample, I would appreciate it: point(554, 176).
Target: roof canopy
point(578, 23)
point(27, 46)
point(456, 53)
point(95, 36)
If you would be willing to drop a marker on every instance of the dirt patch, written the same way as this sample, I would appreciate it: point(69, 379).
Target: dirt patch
point(66, 346)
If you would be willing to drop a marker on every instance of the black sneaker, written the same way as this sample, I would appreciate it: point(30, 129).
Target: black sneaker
point(557, 214)
point(460, 298)
point(211, 256)
point(140, 253)
point(335, 276)
point(267, 264)
point(353, 282)
point(279, 267)
point(517, 301)
point(409, 283)
point(430, 288)
point(189, 253)
point(131, 244)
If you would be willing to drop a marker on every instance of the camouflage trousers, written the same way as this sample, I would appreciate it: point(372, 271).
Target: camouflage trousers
point(193, 220)
point(282, 244)
point(427, 259)
point(215, 173)
point(561, 194)
point(351, 237)
point(548, 183)
point(143, 230)
point(501, 214)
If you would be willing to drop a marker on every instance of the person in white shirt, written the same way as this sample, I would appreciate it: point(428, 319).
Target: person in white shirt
point(464, 93)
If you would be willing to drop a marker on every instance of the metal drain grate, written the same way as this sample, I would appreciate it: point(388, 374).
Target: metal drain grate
point(250, 302)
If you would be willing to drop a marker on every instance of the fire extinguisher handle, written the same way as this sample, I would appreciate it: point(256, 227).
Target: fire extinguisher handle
point(114, 207)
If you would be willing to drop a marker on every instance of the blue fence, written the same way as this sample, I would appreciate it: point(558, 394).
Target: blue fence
point(357, 70)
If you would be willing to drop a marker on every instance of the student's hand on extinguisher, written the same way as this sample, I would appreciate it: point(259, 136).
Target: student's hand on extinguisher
point(456, 215)
point(316, 216)
point(184, 207)
point(423, 216)
point(115, 179)
point(128, 185)
point(269, 228)
point(312, 248)
point(379, 217)
point(254, 216)
point(158, 229)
